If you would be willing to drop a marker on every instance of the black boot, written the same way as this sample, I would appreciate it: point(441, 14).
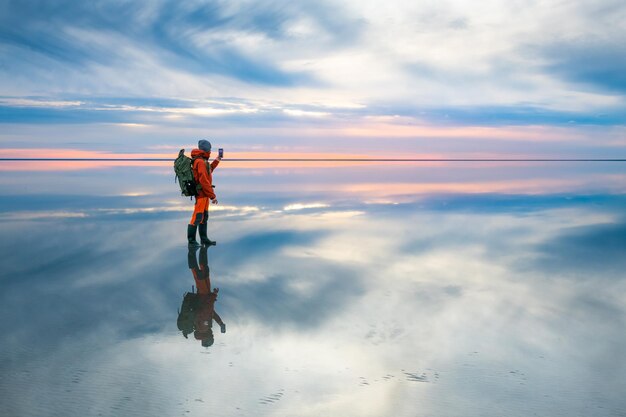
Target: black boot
point(192, 261)
point(191, 235)
point(203, 237)
point(204, 259)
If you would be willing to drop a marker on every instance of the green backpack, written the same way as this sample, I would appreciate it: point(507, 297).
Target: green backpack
point(184, 174)
point(186, 313)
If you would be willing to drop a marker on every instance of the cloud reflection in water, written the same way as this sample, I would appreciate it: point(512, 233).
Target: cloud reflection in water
point(445, 305)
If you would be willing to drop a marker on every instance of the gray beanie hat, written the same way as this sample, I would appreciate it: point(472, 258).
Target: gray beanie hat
point(204, 145)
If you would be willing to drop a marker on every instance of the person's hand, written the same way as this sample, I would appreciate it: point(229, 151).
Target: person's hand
point(223, 328)
point(214, 201)
point(219, 158)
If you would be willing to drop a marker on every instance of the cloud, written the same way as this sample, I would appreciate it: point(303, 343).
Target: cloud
point(580, 252)
point(503, 115)
point(202, 38)
point(86, 110)
point(304, 299)
point(384, 119)
point(597, 64)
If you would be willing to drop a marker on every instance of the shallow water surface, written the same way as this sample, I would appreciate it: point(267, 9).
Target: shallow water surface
point(405, 290)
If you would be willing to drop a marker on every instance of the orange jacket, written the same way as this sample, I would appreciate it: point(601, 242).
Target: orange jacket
point(202, 172)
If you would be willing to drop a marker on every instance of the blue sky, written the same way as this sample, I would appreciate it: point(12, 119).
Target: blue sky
point(343, 76)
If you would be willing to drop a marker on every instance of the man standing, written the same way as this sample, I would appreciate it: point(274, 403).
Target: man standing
point(202, 173)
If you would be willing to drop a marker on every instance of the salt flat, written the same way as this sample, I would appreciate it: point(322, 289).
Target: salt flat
point(406, 289)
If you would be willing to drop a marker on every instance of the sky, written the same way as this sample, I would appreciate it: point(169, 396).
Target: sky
point(392, 78)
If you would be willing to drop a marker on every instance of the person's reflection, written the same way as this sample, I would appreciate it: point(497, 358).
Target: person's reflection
point(197, 311)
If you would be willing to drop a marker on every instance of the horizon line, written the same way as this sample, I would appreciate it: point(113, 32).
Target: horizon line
point(325, 159)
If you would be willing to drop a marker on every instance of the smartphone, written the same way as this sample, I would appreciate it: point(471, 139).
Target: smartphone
point(220, 152)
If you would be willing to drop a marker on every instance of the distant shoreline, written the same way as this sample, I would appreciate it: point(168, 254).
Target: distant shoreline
point(327, 159)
